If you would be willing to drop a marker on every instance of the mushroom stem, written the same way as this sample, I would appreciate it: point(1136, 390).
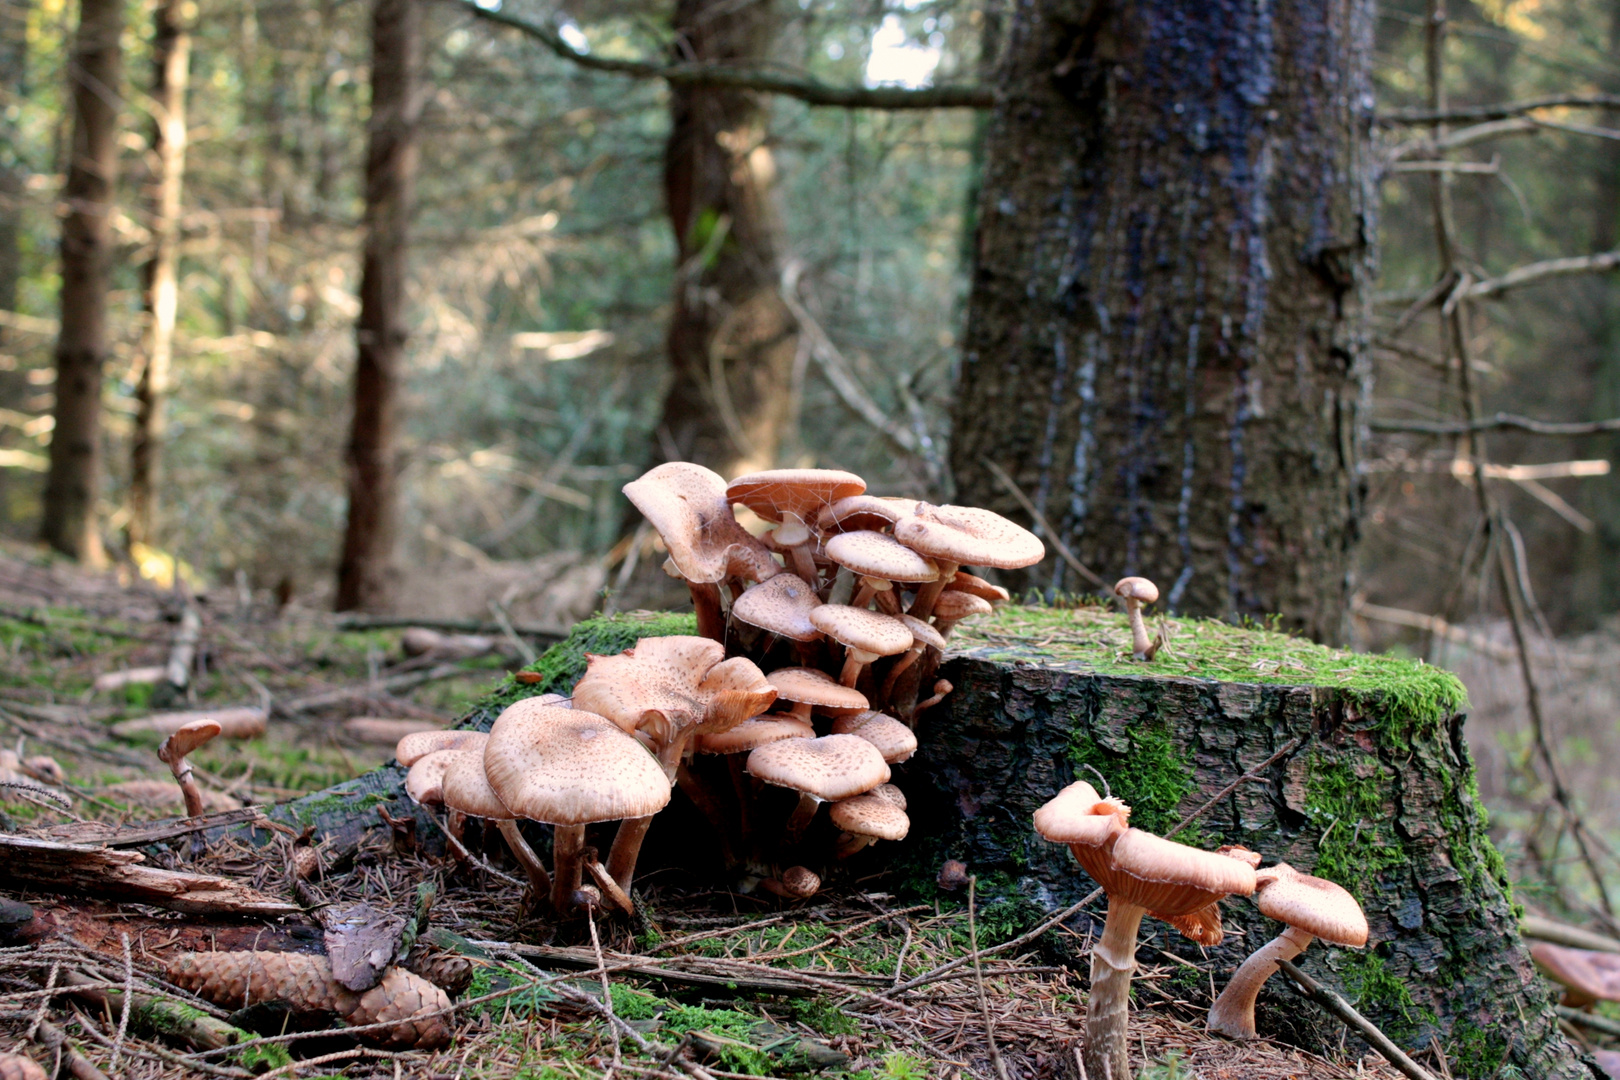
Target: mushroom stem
point(539, 880)
point(1140, 642)
point(188, 786)
point(626, 850)
point(711, 621)
point(900, 666)
point(1233, 1012)
point(804, 564)
point(850, 843)
point(941, 688)
point(567, 845)
point(854, 660)
point(799, 820)
point(1113, 960)
point(888, 602)
point(923, 605)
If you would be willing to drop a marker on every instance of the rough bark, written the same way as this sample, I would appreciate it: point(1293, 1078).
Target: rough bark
point(69, 521)
point(171, 62)
point(366, 572)
point(1164, 333)
point(731, 339)
point(13, 174)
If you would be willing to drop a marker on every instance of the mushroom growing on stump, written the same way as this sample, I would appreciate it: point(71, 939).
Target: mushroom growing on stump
point(809, 689)
point(782, 606)
point(923, 636)
point(418, 745)
point(1142, 874)
point(873, 512)
point(878, 560)
point(827, 769)
point(791, 498)
point(687, 504)
point(865, 635)
point(968, 583)
point(424, 782)
point(957, 536)
point(867, 819)
point(893, 740)
point(466, 790)
point(173, 754)
point(733, 745)
point(1137, 592)
point(1312, 907)
point(954, 605)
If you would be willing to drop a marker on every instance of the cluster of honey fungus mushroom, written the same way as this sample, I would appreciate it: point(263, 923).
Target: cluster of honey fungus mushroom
point(1143, 874)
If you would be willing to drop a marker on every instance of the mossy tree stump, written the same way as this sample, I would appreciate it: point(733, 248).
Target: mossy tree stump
point(1378, 795)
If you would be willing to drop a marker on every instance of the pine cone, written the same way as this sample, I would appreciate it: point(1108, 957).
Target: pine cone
point(449, 971)
point(18, 1067)
point(402, 996)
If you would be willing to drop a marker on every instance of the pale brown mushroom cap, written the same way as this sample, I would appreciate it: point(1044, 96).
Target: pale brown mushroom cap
point(418, 745)
point(424, 783)
point(570, 767)
point(968, 535)
point(878, 555)
point(894, 740)
point(807, 686)
point(954, 604)
point(466, 789)
point(1315, 905)
point(1078, 815)
point(733, 691)
point(1171, 879)
point(186, 738)
point(781, 605)
point(830, 768)
point(923, 633)
point(660, 675)
point(754, 732)
point(966, 582)
point(857, 628)
point(801, 881)
point(1587, 976)
point(868, 815)
point(891, 793)
point(872, 512)
point(1136, 588)
point(776, 493)
point(687, 504)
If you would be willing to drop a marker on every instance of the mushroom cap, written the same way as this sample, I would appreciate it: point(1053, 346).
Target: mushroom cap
point(967, 535)
point(186, 738)
point(418, 745)
point(1077, 815)
point(894, 740)
point(873, 512)
point(800, 881)
point(1587, 976)
point(687, 504)
point(466, 789)
point(570, 767)
point(955, 604)
point(1171, 879)
point(1136, 588)
point(923, 633)
point(868, 631)
point(1315, 905)
point(807, 686)
point(755, 732)
point(424, 783)
point(735, 690)
point(776, 493)
point(879, 555)
point(869, 815)
point(781, 605)
point(966, 582)
point(890, 792)
point(830, 768)
point(670, 683)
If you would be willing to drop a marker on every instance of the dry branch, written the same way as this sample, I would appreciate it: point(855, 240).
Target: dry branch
point(1339, 1007)
point(1473, 114)
point(1498, 422)
point(1540, 929)
point(1532, 273)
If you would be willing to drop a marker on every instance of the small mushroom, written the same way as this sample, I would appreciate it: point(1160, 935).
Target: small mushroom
point(955, 605)
point(953, 875)
point(465, 789)
point(1137, 592)
point(1312, 907)
point(1586, 976)
point(827, 769)
point(418, 745)
point(865, 635)
point(866, 819)
point(873, 512)
point(424, 782)
point(942, 687)
point(173, 754)
point(893, 740)
point(968, 583)
point(796, 883)
point(891, 793)
point(957, 536)
point(878, 560)
point(809, 689)
point(780, 606)
point(923, 636)
point(791, 498)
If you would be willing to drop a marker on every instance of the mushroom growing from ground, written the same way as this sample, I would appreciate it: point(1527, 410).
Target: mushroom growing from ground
point(865, 635)
point(791, 499)
point(782, 606)
point(733, 745)
point(424, 783)
point(1142, 874)
point(795, 883)
point(957, 536)
point(954, 605)
point(1312, 907)
point(867, 819)
point(412, 748)
point(465, 789)
point(173, 754)
point(827, 769)
point(1137, 592)
point(1586, 976)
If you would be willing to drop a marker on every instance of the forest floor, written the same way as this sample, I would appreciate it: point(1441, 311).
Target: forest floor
point(706, 983)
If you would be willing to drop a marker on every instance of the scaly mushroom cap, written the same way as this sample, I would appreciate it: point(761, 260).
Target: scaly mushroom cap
point(777, 493)
point(781, 605)
point(807, 686)
point(424, 783)
point(183, 740)
point(1315, 905)
point(755, 732)
point(923, 633)
point(670, 683)
point(734, 691)
point(968, 583)
point(830, 768)
point(466, 789)
point(864, 512)
point(894, 740)
point(954, 604)
point(1077, 815)
point(866, 631)
point(418, 745)
point(570, 767)
point(878, 555)
point(969, 536)
point(687, 504)
point(868, 815)
point(801, 881)
point(1136, 588)
point(891, 793)
point(1586, 976)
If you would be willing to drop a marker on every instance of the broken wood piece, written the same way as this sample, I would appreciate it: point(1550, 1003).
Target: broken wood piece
point(361, 942)
point(610, 888)
point(420, 641)
point(673, 971)
point(184, 650)
point(155, 1016)
point(241, 722)
point(76, 868)
point(1341, 1008)
point(55, 1040)
point(1575, 937)
point(20, 1067)
point(385, 730)
point(116, 680)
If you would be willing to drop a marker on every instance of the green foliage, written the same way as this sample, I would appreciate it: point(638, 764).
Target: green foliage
point(1153, 777)
point(1354, 811)
point(822, 1016)
point(1170, 1067)
point(730, 1030)
point(262, 1057)
point(1368, 982)
point(489, 978)
point(630, 1004)
point(896, 1066)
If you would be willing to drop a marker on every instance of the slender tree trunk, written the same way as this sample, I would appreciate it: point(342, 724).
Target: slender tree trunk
point(366, 572)
point(14, 70)
point(1164, 343)
point(731, 339)
point(171, 60)
point(94, 67)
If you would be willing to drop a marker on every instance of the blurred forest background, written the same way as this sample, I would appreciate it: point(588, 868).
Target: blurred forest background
point(544, 273)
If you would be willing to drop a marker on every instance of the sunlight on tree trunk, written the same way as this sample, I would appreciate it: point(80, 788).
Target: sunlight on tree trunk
point(70, 522)
point(731, 339)
point(14, 66)
point(365, 576)
point(171, 61)
point(1165, 334)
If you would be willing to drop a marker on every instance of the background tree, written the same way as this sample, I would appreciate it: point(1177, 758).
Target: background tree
point(13, 175)
point(1163, 344)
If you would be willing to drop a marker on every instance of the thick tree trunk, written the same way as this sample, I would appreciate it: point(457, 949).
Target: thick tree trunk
point(171, 62)
point(731, 339)
point(14, 66)
point(367, 568)
point(71, 488)
point(1164, 334)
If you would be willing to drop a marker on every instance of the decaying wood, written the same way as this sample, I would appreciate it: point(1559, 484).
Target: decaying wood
point(99, 927)
point(177, 672)
point(162, 794)
point(384, 730)
point(117, 680)
point(1557, 933)
point(361, 943)
point(243, 722)
point(154, 1015)
point(56, 1041)
point(77, 868)
point(108, 834)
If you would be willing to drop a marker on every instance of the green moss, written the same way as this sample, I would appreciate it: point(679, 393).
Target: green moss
point(731, 1031)
point(1353, 812)
point(822, 1016)
point(561, 666)
point(1152, 778)
point(1475, 1050)
point(262, 1057)
point(896, 1066)
point(309, 811)
point(1371, 985)
point(1406, 698)
point(631, 1004)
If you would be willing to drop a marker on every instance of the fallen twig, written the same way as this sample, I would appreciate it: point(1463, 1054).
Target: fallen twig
point(1341, 1008)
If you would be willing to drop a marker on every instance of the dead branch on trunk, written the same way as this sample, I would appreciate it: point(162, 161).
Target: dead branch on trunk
point(1473, 114)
